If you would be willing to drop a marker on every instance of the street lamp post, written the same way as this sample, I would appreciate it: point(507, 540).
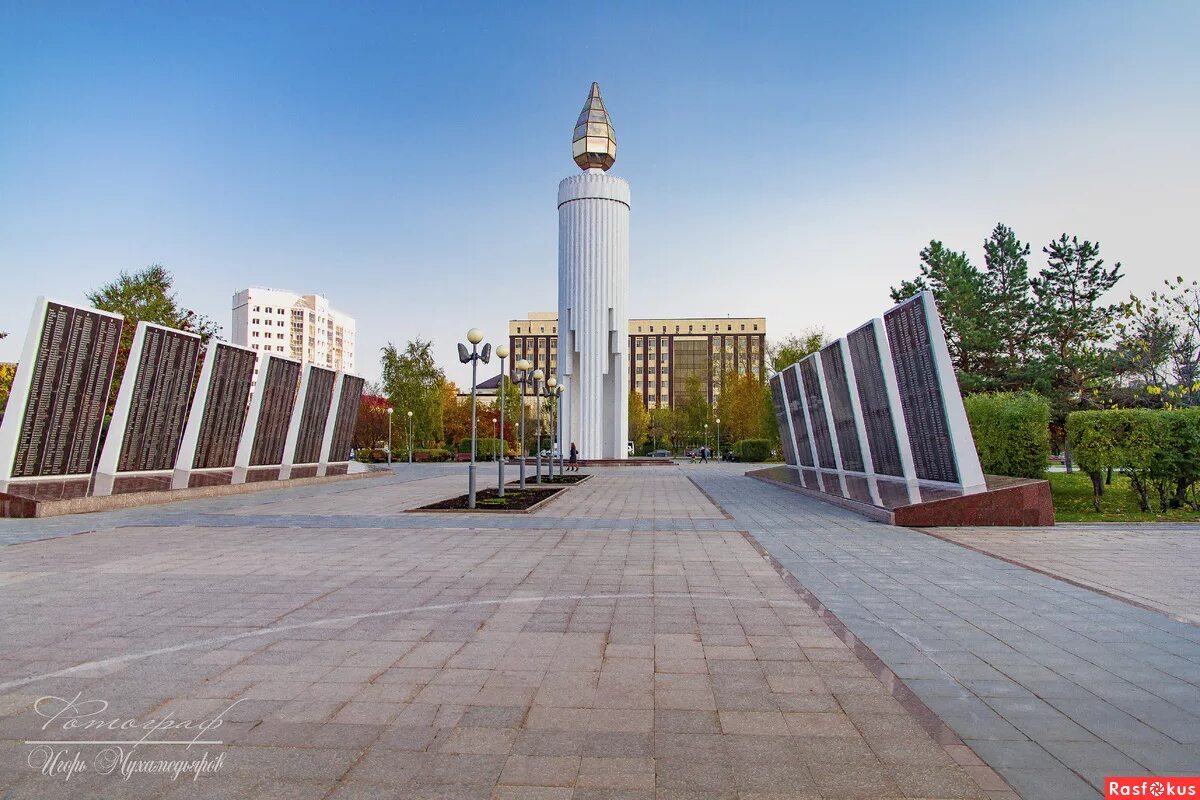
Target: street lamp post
point(474, 336)
point(706, 436)
point(537, 398)
point(719, 453)
point(558, 421)
point(522, 367)
point(410, 424)
point(390, 410)
point(552, 392)
point(501, 353)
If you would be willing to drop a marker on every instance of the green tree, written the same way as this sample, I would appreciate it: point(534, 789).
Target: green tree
point(1073, 325)
point(412, 381)
point(7, 373)
point(1008, 309)
point(146, 296)
point(740, 408)
point(662, 422)
point(793, 348)
point(692, 410)
point(508, 395)
point(961, 293)
point(639, 420)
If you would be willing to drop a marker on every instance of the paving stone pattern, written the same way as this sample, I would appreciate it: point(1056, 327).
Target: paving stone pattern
point(451, 656)
point(1055, 686)
point(1155, 565)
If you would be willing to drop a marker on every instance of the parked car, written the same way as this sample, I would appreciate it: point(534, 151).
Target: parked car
point(730, 456)
point(661, 454)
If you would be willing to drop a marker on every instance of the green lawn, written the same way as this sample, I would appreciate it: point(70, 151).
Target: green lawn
point(1073, 502)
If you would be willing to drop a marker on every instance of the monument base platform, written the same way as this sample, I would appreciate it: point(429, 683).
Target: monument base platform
point(58, 498)
point(1007, 501)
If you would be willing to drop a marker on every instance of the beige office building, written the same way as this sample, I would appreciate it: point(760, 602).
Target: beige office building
point(663, 353)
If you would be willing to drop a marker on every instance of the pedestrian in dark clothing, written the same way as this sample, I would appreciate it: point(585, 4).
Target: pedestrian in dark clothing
point(574, 458)
point(703, 455)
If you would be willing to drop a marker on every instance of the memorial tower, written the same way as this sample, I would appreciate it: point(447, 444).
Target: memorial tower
point(593, 290)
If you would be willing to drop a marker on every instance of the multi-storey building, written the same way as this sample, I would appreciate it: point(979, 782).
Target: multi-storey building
point(303, 327)
point(663, 353)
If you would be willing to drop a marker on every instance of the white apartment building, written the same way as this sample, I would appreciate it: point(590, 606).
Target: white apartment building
point(303, 327)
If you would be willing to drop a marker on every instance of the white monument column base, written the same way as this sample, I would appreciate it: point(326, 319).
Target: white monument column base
point(593, 315)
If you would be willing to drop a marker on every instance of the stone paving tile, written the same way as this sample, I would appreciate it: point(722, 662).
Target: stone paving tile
point(451, 660)
point(1150, 564)
point(1050, 683)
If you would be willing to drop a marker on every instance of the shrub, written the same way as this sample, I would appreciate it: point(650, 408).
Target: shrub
point(430, 454)
point(1011, 432)
point(485, 448)
point(1157, 450)
point(753, 449)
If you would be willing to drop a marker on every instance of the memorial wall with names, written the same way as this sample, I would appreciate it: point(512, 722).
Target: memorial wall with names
point(899, 360)
point(56, 411)
point(159, 401)
point(226, 407)
point(279, 384)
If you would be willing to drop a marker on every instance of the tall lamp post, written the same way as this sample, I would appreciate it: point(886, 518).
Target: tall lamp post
point(474, 336)
point(719, 453)
point(501, 353)
point(390, 410)
point(706, 436)
point(522, 369)
point(410, 437)
point(551, 393)
point(558, 393)
point(537, 399)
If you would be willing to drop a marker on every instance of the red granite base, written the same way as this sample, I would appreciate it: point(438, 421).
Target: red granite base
point(1005, 502)
point(25, 507)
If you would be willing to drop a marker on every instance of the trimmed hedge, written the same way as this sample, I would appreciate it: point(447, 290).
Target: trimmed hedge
point(753, 449)
point(1158, 450)
point(1011, 432)
point(485, 447)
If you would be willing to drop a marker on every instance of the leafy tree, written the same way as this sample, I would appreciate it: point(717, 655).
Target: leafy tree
point(508, 394)
point(456, 416)
point(1073, 324)
point(413, 382)
point(740, 408)
point(662, 423)
point(7, 373)
point(793, 348)
point(692, 410)
point(146, 296)
point(371, 428)
point(639, 419)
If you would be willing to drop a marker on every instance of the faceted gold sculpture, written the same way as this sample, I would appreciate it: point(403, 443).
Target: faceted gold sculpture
point(594, 145)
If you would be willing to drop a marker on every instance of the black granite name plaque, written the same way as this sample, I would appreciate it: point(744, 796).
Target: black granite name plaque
point(921, 398)
point(314, 414)
point(68, 392)
point(873, 399)
point(225, 408)
point(796, 410)
point(816, 413)
point(279, 386)
point(159, 405)
point(347, 417)
point(838, 385)
point(781, 421)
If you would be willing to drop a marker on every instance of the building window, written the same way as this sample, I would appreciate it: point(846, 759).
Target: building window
point(743, 327)
point(256, 308)
point(755, 328)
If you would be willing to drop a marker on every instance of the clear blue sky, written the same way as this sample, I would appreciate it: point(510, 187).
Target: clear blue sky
point(785, 159)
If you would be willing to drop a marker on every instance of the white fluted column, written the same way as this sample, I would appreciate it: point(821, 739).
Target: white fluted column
point(593, 315)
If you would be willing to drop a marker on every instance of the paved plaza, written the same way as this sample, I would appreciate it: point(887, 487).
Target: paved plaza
point(673, 632)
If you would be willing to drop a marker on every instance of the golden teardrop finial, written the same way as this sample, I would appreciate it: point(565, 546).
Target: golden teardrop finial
point(594, 145)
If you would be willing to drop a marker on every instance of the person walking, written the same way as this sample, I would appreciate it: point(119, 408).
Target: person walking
point(703, 455)
point(574, 458)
